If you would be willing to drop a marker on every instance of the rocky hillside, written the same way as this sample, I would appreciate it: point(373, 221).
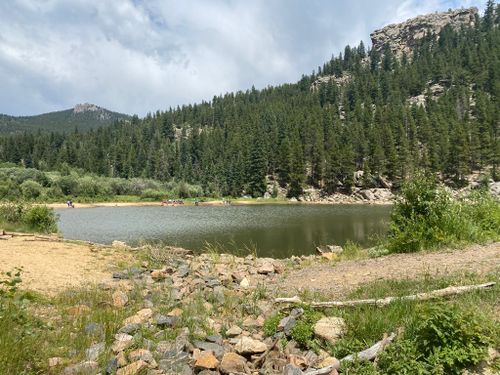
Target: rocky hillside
point(403, 37)
point(83, 116)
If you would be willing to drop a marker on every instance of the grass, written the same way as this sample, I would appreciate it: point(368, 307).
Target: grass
point(367, 324)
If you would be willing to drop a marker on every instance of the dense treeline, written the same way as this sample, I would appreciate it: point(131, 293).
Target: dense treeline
point(303, 136)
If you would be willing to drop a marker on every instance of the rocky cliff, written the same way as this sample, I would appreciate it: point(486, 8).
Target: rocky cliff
point(402, 38)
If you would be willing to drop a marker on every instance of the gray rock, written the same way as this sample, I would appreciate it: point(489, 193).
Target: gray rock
point(93, 353)
point(94, 329)
point(130, 328)
point(82, 368)
point(292, 370)
point(217, 349)
point(183, 270)
point(214, 338)
point(112, 366)
point(165, 321)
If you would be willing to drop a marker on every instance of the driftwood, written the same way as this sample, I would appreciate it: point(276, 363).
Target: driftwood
point(439, 293)
point(366, 355)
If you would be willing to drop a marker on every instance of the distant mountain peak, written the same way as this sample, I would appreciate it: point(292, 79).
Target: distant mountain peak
point(86, 107)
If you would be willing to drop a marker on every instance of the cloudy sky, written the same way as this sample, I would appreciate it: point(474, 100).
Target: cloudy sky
point(137, 56)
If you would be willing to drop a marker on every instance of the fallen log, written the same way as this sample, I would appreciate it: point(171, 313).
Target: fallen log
point(438, 293)
point(366, 355)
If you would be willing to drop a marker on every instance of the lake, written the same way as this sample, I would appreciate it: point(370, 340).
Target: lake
point(273, 230)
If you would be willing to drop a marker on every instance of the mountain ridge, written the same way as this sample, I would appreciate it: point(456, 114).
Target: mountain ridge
point(83, 116)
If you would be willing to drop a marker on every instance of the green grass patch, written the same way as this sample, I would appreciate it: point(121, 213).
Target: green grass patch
point(435, 337)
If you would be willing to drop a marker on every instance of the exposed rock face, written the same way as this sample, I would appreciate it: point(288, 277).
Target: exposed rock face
point(86, 107)
point(323, 80)
point(402, 38)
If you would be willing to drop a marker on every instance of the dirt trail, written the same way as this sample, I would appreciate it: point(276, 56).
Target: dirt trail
point(50, 266)
point(338, 279)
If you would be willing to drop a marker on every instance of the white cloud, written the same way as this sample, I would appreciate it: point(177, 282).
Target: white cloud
point(136, 56)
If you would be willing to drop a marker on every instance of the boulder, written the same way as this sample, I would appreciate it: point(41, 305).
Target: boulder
point(206, 360)
point(234, 331)
point(233, 363)
point(82, 368)
point(95, 351)
point(247, 345)
point(133, 369)
point(122, 342)
point(330, 329)
point(142, 316)
point(119, 298)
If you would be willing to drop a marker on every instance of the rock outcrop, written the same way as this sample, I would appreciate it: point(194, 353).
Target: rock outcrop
point(323, 80)
point(402, 38)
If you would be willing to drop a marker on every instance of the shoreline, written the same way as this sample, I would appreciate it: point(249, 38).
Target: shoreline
point(218, 203)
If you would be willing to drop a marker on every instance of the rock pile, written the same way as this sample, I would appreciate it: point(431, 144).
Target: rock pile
point(224, 334)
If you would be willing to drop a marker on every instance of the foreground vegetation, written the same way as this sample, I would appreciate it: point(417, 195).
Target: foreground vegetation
point(21, 217)
point(443, 337)
point(435, 337)
point(426, 216)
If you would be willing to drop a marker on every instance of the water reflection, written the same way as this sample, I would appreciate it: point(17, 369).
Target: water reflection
point(275, 230)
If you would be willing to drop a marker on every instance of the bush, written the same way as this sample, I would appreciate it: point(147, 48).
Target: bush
point(31, 189)
point(25, 217)
point(426, 216)
point(67, 184)
point(41, 218)
point(446, 341)
point(153, 194)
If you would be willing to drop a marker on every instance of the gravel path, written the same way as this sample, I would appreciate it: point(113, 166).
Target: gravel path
point(338, 279)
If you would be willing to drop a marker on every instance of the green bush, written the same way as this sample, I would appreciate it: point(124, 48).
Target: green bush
point(31, 189)
point(25, 217)
point(41, 218)
point(426, 216)
point(446, 341)
point(67, 184)
point(154, 194)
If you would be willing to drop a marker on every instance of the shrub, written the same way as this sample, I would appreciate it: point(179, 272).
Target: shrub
point(87, 187)
point(41, 218)
point(31, 189)
point(426, 216)
point(446, 341)
point(153, 194)
point(26, 217)
point(67, 184)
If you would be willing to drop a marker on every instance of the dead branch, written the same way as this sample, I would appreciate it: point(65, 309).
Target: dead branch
point(438, 293)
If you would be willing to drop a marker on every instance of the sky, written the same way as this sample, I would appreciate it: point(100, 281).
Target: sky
point(140, 56)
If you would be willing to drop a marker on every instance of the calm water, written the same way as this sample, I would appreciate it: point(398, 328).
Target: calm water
point(274, 230)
